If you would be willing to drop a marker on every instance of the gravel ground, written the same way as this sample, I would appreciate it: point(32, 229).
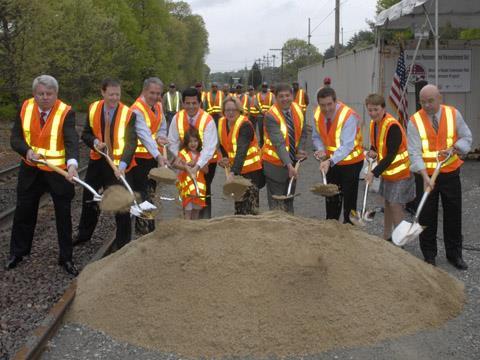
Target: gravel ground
point(459, 338)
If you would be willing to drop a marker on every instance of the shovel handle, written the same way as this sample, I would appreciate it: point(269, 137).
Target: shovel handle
point(108, 158)
point(51, 166)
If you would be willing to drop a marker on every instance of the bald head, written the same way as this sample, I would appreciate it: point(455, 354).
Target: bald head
point(430, 99)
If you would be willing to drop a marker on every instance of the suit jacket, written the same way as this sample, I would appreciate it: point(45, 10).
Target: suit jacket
point(27, 174)
point(280, 173)
point(88, 136)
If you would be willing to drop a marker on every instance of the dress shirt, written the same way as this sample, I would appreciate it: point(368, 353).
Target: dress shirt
point(210, 140)
point(463, 144)
point(145, 135)
point(347, 138)
point(69, 161)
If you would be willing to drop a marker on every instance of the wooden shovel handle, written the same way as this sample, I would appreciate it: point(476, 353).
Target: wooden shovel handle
point(53, 167)
point(108, 158)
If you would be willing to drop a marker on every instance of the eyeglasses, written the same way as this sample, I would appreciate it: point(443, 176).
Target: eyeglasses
point(230, 110)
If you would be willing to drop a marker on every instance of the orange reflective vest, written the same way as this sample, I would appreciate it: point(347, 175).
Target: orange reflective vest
point(153, 121)
point(433, 142)
point(252, 109)
point(203, 118)
point(269, 152)
point(229, 139)
point(122, 118)
point(185, 184)
point(300, 99)
point(332, 139)
point(267, 103)
point(400, 167)
point(47, 141)
point(214, 106)
point(244, 101)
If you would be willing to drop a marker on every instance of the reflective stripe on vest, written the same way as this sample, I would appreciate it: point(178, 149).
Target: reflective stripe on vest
point(269, 152)
point(252, 160)
point(400, 167)
point(268, 101)
point(47, 141)
point(214, 107)
point(252, 109)
point(121, 120)
point(433, 142)
point(332, 140)
point(153, 121)
point(300, 99)
point(177, 102)
point(186, 185)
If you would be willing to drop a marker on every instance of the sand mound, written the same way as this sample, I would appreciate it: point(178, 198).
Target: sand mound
point(266, 285)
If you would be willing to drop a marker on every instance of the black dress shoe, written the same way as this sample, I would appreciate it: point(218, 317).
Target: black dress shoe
point(69, 267)
point(458, 263)
point(431, 261)
point(13, 262)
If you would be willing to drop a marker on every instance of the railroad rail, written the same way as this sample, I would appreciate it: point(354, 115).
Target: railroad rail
point(6, 216)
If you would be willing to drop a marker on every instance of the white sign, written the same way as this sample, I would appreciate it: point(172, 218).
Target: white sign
point(454, 69)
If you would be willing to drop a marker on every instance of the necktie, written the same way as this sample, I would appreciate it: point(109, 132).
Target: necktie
point(107, 136)
point(329, 124)
point(291, 136)
point(191, 121)
point(43, 117)
point(435, 122)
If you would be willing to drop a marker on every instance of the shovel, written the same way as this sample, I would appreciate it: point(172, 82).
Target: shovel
point(96, 196)
point(361, 219)
point(289, 189)
point(197, 190)
point(405, 231)
point(325, 189)
point(237, 187)
point(163, 174)
point(143, 210)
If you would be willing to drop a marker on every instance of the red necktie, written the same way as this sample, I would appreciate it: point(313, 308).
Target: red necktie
point(329, 124)
point(43, 117)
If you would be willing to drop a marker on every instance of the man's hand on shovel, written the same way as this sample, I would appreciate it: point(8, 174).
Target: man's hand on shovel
point(325, 166)
point(72, 172)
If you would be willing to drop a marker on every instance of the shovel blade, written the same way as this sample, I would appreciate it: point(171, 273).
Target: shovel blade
point(405, 232)
point(356, 219)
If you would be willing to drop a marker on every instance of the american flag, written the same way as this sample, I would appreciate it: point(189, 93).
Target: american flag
point(397, 89)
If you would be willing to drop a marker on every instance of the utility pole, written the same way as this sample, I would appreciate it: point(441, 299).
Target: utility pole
point(309, 33)
point(281, 66)
point(337, 26)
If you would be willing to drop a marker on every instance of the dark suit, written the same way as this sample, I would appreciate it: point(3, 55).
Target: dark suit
point(277, 176)
point(100, 175)
point(33, 183)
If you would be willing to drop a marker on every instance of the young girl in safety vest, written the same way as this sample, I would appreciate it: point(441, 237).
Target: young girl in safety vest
point(193, 197)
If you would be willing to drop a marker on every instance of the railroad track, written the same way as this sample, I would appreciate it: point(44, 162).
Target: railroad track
point(8, 173)
point(6, 216)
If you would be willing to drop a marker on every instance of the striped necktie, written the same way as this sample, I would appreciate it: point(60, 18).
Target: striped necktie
point(291, 135)
point(435, 123)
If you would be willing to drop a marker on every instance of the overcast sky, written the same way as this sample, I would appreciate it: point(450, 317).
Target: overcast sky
point(241, 31)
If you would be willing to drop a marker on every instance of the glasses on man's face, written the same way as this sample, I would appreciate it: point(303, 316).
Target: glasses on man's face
point(231, 110)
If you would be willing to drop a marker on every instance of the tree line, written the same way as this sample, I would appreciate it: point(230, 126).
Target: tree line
point(80, 42)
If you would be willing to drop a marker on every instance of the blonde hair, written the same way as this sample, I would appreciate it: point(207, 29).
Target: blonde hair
point(235, 100)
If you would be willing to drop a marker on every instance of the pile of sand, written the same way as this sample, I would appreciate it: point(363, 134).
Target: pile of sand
point(267, 285)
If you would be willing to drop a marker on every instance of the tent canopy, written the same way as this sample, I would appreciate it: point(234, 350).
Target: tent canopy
point(411, 14)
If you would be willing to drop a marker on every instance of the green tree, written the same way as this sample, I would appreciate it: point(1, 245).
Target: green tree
point(385, 4)
point(255, 76)
point(298, 53)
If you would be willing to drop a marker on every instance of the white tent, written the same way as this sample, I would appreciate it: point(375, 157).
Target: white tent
point(416, 14)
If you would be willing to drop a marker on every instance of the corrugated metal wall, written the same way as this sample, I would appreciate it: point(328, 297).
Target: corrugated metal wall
point(355, 75)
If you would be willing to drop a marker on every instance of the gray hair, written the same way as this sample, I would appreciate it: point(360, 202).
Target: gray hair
point(152, 80)
point(47, 81)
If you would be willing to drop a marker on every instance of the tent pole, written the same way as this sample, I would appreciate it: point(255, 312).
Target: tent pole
point(436, 42)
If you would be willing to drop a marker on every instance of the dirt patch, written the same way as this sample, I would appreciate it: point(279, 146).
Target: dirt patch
point(259, 286)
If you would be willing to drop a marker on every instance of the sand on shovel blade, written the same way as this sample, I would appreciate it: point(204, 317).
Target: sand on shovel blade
point(116, 198)
point(163, 174)
point(236, 188)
